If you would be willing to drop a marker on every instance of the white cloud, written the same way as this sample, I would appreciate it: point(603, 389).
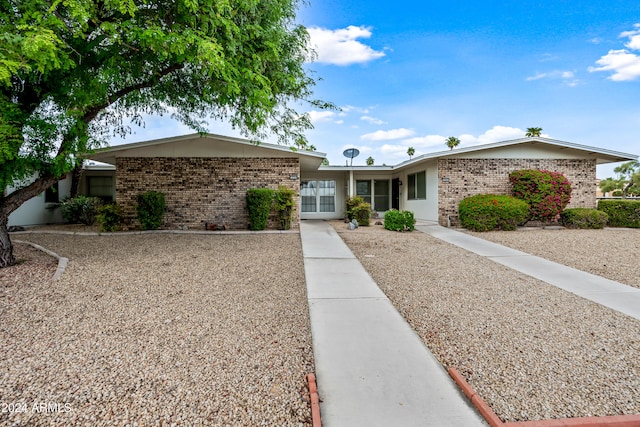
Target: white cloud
point(495, 134)
point(624, 64)
point(385, 135)
point(320, 116)
point(372, 120)
point(341, 47)
point(568, 77)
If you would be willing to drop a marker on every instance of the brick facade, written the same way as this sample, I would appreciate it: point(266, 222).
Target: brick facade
point(201, 190)
point(468, 177)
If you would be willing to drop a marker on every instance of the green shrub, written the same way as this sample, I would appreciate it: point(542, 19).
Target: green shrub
point(259, 202)
point(283, 205)
point(583, 218)
point(547, 193)
point(150, 209)
point(80, 209)
point(109, 217)
point(617, 193)
point(396, 220)
point(486, 212)
point(622, 213)
point(359, 210)
point(351, 203)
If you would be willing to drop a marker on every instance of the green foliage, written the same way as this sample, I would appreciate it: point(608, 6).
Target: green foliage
point(622, 213)
point(362, 213)
point(396, 220)
point(627, 183)
point(259, 202)
point(73, 72)
point(452, 142)
point(80, 209)
point(546, 192)
point(351, 203)
point(150, 209)
point(109, 217)
point(283, 204)
point(370, 161)
point(486, 212)
point(583, 218)
point(533, 131)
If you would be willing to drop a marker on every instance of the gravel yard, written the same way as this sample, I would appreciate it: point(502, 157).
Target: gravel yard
point(611, 252)
point(531, 350)
point(156, 329)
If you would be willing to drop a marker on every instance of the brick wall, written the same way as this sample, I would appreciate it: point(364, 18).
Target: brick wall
point(200, 190)
point(478, 176)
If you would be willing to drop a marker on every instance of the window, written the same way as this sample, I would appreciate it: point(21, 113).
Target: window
point(318, 196)
point(100, 186)
point(417, 186)
point(51, 194)
point(379, 198)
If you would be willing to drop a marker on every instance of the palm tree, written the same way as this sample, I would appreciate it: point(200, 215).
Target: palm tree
point(452, 142)
point(370, 161)
point(411, 151)
point(533, 132)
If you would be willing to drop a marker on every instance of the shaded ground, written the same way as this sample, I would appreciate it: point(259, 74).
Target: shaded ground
point(157, 329)
point(532, 351)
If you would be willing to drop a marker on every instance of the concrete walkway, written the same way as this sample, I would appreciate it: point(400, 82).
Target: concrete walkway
point(371, 367)
point(615, 295)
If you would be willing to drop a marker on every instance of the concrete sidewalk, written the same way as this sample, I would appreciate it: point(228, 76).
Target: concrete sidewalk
point(615, 295)
point(371, 367)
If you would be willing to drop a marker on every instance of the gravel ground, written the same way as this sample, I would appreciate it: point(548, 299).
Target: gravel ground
point(156, 330)
point(531, 350)
point(611, 252)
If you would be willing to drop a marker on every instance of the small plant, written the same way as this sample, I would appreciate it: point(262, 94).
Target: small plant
point(283, 205)
point(359, 210)
point(583, 218)
point(486, 212)
point(622, 213)
point(259, 202)
point(80, 209)
point(150, 209)
point(109, 217)
point(396, 220)
point(547, 193)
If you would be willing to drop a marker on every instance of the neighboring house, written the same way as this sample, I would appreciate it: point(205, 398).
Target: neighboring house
point(205, 178)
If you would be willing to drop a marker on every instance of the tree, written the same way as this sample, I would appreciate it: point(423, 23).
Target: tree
point(370, 161)
point(452, 142)
point(411, 151)
point(533, 132)
point(628, 180)
point(325, 162)
point(72, 72)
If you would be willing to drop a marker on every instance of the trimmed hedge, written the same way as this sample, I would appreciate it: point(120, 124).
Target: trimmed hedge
point(150, 209)
point(396, 220)
point(546, 192)
point(259, 202)
point(583, 218)
point(109, 217)
point(486, 212)
point(622, 213)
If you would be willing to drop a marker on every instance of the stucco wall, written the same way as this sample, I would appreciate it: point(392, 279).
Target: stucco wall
point(468, 177)
point(200, 190)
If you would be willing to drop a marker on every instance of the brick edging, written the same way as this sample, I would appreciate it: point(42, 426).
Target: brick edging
point(315, 401)
point(494, 421)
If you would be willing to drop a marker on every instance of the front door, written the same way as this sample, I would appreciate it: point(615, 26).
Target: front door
point(395, 193)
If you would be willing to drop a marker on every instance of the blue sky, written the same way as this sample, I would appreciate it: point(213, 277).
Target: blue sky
point(413, 73)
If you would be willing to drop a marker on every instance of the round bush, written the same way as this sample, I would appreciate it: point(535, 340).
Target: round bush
point(396, 220)
point(547, 193)
point(81, 209)
point(486, 212)
point(583, 218)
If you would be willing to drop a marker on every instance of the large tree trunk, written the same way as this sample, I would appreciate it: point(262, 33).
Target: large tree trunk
point(75, 180)
point(10, 203)
point(6, 248)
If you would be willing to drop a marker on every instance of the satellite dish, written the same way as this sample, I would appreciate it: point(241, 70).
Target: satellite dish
point(351, 153)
